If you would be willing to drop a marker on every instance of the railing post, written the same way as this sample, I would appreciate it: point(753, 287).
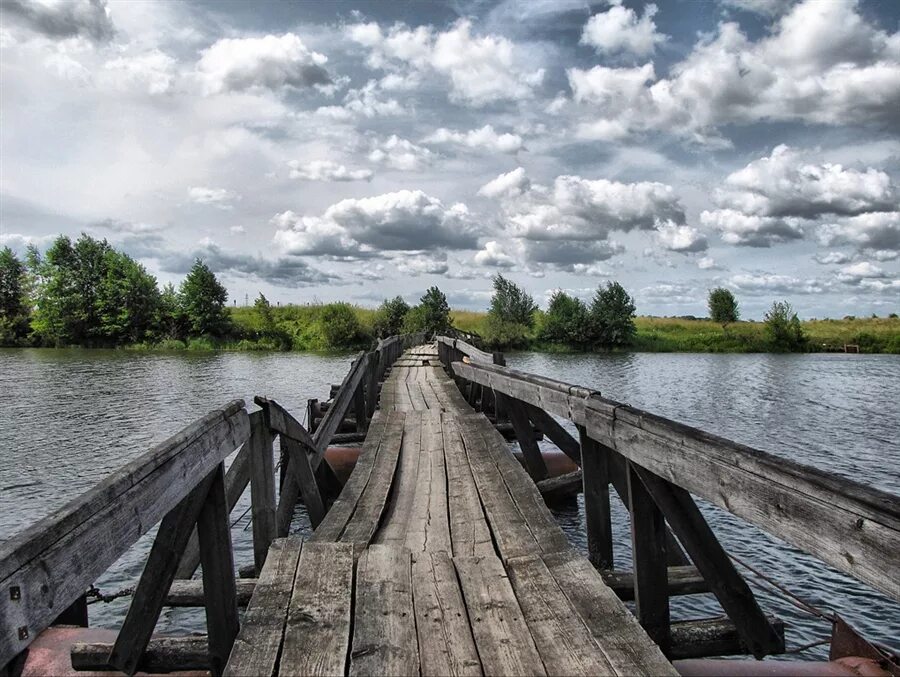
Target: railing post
point(595, 479)
point(499, 413)
point(262, 488)
point(360, 409)
point(371, 384)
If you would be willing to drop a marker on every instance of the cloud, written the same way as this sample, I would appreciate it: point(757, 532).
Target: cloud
point(422, 264)
point(565, 255)
point(821, 63)
point(20, 242)
point(153, 72)
point(481, 69)
point(785, 184)
point(763, 7)
point(130, 227)
point(401, 221)
point(237, 230)
point(400, 154)
point(494, 255)
point(620, 30)
point(877, 230)
point(511, 184)
point(326, 170)
point(271, 62)
point(746, 230)
point(830, 258)
point(857, 272)
point(485, 138)
point(217, 197)
point(708, 263)
point(680, 238)
point(769, 283)
point(63, 18)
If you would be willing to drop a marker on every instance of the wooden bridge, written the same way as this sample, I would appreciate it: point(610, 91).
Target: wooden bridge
point(438, 555)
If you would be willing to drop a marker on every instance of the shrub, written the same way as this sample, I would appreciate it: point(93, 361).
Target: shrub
point(432, 315)
point(511, 304)
point(611, 320)
point(340, 327)
point(783, 329)
point(723, 308)
point(389, 317)
point(501, 334)
point(566, 320)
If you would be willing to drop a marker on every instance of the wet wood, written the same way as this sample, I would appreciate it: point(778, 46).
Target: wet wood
point(562, 487)
point(301, 463)
point(597, 518)
point(163, 654)
point(683, 580)
point(713, 637)
point(190, 593)
point(262, 488)
point(534, 460)
point(561, 437)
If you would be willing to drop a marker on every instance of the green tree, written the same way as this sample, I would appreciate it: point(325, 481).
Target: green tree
point(203, 301)
point(566, 320)
point(264, 315)
point(128, 300)
point(432, 315)
point(723, 307)
point(340, 326)
point(783, 329)
point(611, 318)
point(14, 307)
point(171, 322)
point(390, 316)
point(510, 303)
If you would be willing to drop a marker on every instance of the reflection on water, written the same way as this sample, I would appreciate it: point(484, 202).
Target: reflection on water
point(70, 417)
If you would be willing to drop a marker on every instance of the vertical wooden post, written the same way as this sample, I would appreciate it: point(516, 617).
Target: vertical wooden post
point(371, 384)
point(651, 572)
point(499, 412)
point(311, 415)
point(359, 400)
point(595, 479)
point(306, 481)
point(217, 560)
point(262, 488)
point(534, 460)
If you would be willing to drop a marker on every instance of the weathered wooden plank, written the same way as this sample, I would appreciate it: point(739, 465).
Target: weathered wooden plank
point(561, 487)
point(282, 422)
point(338, 409)
point(557, 434)
point(713, 637)
point(289, 493)
point(189, 593)
point(469, 532)
point(336, 520)
point(367, 516)
point(629, 650)
point(562, 639)
point(498, 626)
point(236, 480)
point(258, 644)
point(683, 580)
point(262, 488)
point(397, 513)
point(534, 460)
point(159, 572)
point(384, 627)
point(217, 560)
point(163, 654)
point(53, 562)
point(317, 634)
point(306, 480)
point(648, 542)
point(446, 646)
point(360, 412)
point(371, 384)
point(428, 527)
point(597, 519)
point(710, 558)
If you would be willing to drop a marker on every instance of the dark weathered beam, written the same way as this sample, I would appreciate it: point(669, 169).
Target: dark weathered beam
point(683, 580)
point(710, 558)
point(534, 460)
point(561, 437)
point(338, 409)
point(648, 540)
point(300, 461)
point(165, 654)
point(282, 422)
point(713, 637)
point(262, 488)
point(561, 486)
point(190, 593)
point(597, 519)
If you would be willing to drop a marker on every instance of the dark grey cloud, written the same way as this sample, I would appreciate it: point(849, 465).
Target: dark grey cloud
point(86, 18)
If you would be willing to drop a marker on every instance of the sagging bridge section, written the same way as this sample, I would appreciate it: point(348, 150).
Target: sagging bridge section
point(438, 555)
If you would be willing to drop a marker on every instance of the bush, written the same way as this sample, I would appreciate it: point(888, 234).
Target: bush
point(389, 317)
point(611, 319)
point(501, 334)
point(783, 329)
point(723, 308)
point(432, 315)
point(566, 320)
point(201, 343)
point(339, 327)
point(511, 304)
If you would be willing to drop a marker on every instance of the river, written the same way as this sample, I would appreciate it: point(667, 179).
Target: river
point(72, 416)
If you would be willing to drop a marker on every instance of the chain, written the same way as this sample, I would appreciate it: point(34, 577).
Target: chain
point(95, 595)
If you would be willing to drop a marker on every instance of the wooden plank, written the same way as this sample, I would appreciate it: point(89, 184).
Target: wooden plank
point(317, 635)
point(217, 560)
point(282, 422)
point(561, 487)
point(713, 637)
point(446, 646)
point(648, 542)
point(371, 382)
point(534, 460)
point(336, 520)
point(54, 561)
point(163, 655)
point(397, 513)
point(710, 558)
point(597, 519)
point(236, 480)
point(262, 488)
point(428, 527)
point(384, 627)
point(469, 532)
point(498, 626)
point(306, 480)
point(159, 572)
point(565, 644)
point(628, 648)
point(338, 409)
point(854, 528)
point(189, 593)
point(258, 644)
point(367, 516)
point(557, 434)
point(289, 493)
point(360, 412)
point(683, 580)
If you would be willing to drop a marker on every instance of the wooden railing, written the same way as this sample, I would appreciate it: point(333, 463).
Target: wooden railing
point(181, 484)
point(656, 465)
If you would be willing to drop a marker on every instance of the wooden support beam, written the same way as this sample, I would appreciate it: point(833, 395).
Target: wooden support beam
point(534, 461)
point(684, 580)
point(372, 384)
point(217, 560)
point(713, 637)
point(300, 462)
point(159, 572)
point(359, 401)
point(710, 558)
point(190, 593)
point(262, 488)
point(557, 434)
point(164, 654)
point(598, 523)
point(651, 585)
point(561, 487)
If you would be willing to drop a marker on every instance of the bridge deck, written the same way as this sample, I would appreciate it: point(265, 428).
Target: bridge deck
point(438, 557)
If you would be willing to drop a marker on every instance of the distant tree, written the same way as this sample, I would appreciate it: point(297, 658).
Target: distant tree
point(171, 322)
point(14, 305)
point(566, 320)
point(128, 300)
point(390, 316)
point(510, 303)
point(723, 307)
point(203, 301)
point(611, 318)
point(264, 314)
point(783, 329)
point(432, 315)
point(340, 326)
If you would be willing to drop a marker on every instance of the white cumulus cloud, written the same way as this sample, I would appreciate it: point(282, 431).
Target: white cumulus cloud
point(326, 170)
point(619, 29)
point(484, 138)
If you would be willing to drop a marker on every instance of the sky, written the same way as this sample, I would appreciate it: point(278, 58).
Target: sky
point(315, 151)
